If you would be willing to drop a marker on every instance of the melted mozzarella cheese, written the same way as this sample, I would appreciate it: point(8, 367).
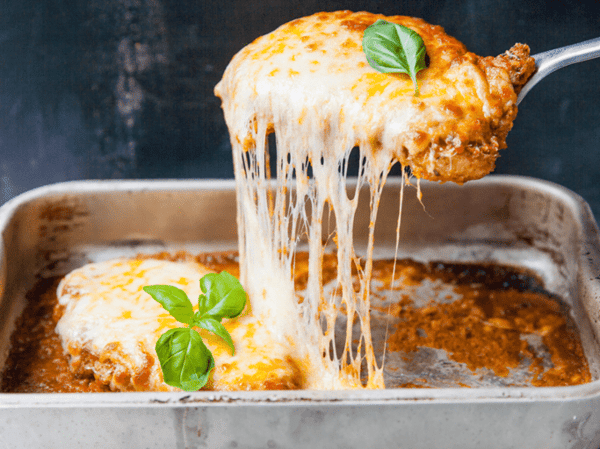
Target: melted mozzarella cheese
point(312, 74)
point(109, 327)
point(309, 82)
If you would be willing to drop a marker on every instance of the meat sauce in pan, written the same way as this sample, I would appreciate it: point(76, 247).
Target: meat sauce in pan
point(484, 328)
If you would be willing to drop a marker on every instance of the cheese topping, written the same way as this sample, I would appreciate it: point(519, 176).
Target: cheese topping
point(312, 75)
point(109, 326)
point(309, 82)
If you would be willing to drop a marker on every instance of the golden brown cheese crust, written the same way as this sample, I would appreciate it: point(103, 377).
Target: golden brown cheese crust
point(109, 328)
point(311, 73)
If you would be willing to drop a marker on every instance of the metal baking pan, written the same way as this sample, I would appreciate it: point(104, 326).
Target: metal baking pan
point(508, 220)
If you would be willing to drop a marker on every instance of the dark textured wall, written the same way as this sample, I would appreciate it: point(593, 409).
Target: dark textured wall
point(123, 88)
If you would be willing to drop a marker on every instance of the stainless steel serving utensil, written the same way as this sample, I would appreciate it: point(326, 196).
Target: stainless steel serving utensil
point(551, 60)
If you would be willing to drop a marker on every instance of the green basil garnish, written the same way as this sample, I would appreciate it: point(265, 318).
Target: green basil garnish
point(393, 48)
point(185, 360)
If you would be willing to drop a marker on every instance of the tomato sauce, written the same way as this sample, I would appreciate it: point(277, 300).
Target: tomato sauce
point(486, 327)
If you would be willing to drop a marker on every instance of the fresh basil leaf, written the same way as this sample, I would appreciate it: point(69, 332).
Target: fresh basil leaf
point(202, 304)
point(207, 301)
point(174, 301)
point(393, 48)
point(214, 326)
point(224, 296)
point(185, 361)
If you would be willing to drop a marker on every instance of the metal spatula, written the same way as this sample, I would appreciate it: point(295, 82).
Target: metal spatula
point(551, 60)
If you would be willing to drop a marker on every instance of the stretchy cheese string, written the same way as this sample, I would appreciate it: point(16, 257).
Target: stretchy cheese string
point(275, 217)
point(309, 83)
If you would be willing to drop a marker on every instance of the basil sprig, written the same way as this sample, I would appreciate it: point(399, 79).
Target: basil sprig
point(393, 48)
point(185, 360)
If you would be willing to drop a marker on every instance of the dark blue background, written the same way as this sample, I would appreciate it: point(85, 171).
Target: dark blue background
point(124, 89)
